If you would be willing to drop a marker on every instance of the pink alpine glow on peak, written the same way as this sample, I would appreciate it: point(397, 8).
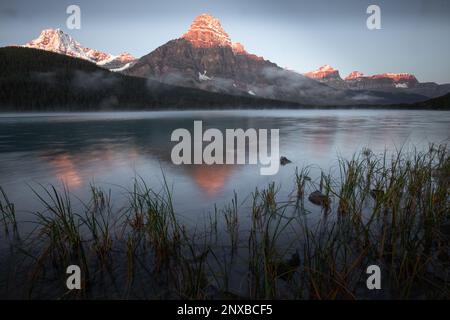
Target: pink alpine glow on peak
point(206, 32)
point(125, 57)
point(323, 72)
point(354, 75)
point(56, 40)
point(238, 48)
point(397, 77)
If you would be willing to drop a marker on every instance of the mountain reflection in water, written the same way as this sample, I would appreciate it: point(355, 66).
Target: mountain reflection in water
point(111, 149)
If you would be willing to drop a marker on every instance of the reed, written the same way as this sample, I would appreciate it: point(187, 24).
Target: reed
point(7, 214)
point(388, 210)
point(232, 222)
point(151, 213)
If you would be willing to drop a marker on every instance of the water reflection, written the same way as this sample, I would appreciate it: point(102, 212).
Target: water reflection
point(66, 171)
point(112, 148)
point(211, 178)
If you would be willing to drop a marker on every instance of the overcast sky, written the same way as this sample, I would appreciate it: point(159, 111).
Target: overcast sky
point(299, 35)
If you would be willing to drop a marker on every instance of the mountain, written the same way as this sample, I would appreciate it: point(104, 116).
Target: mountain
point(385, 82)
point(205, 57)
point(37, 80)
point(395, 82)
point(327, 74)
point(357, 80)
point(207, 32)
point(55, 40)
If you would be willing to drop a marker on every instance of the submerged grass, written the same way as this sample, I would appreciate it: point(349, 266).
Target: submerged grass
point(389, 211)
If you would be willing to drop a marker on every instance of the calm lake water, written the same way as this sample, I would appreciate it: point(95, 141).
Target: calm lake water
point(110, 149)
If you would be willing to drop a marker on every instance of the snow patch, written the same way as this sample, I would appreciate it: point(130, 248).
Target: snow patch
point(126, 66)
point(107, 60)
point(203, 77)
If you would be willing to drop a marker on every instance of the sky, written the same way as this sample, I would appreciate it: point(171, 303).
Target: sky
point(295, 34)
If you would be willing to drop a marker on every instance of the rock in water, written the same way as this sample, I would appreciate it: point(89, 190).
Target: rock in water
point(286, 269)
point(284, 161)
point(318, 198)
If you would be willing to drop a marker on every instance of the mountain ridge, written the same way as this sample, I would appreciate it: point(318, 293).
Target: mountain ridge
point(206, 58)
point(56, 40)
point(384, 82)
point(38, 80)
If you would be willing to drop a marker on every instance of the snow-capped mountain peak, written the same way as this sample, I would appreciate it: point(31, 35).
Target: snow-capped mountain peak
point(56, 40)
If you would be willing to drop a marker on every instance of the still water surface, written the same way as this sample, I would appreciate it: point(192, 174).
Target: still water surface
point(110, 149)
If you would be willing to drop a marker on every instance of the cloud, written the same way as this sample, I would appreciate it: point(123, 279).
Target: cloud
point(94, 80)
point(366, 98)
point(47, 77)
point(272, 83)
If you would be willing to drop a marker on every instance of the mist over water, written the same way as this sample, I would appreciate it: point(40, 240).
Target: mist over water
point(111, 149)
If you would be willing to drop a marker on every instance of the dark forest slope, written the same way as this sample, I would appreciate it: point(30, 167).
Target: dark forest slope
point(36, 80)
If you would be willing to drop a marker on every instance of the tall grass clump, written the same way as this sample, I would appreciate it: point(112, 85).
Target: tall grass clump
point(266, 258)
point(388, 209)
point(58, 237)
point(150, 214)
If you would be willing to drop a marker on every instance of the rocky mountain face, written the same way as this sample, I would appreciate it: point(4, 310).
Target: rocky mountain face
point(327, 74)
point(395, 82)
point(205, 57)
point(357, 80)
point(56, 40)
point(385, 82)
point(207, 32)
